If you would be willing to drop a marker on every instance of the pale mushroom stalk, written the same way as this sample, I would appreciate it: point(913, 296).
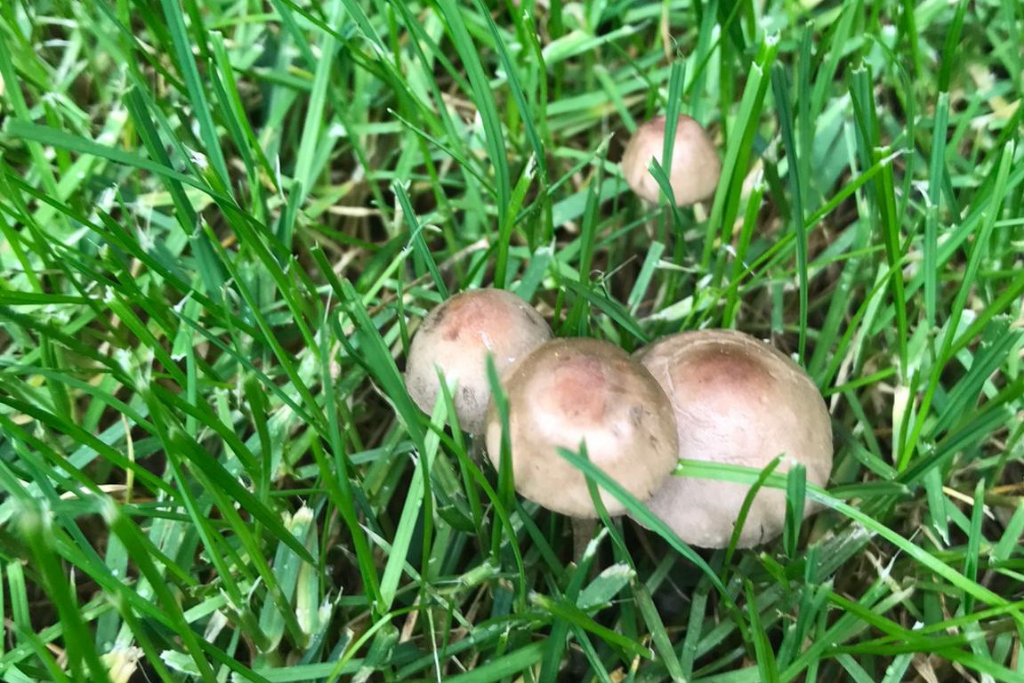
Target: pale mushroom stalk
point(583, 529)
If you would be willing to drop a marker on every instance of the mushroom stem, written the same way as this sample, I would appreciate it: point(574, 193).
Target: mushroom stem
point(582, 531)
point(477, 449)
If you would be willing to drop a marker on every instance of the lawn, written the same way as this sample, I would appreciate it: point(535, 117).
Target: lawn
point(221, 222)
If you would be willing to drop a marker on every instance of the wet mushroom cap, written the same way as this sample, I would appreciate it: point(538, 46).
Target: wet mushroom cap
point(737, 400)
point(457, 336)
point(695, 165)
point(569, 391)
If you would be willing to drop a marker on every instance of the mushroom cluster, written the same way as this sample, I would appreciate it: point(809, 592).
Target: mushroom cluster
point(712, 395)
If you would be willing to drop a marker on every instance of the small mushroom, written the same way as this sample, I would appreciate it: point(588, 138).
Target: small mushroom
point(457, 336)
point(737, 400)
point(695, 166)
point(569, 391)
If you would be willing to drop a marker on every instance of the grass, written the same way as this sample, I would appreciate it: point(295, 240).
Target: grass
point(220, 221)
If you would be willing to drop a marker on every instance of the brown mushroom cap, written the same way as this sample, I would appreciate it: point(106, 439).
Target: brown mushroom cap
point(695, 165)
point(569, 391)
point(739, 401)
point(457, 336)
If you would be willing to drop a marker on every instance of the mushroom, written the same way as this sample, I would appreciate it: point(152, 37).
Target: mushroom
point(569, 391)
point(695, 166)
point(739, 401)
point(457, 336)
